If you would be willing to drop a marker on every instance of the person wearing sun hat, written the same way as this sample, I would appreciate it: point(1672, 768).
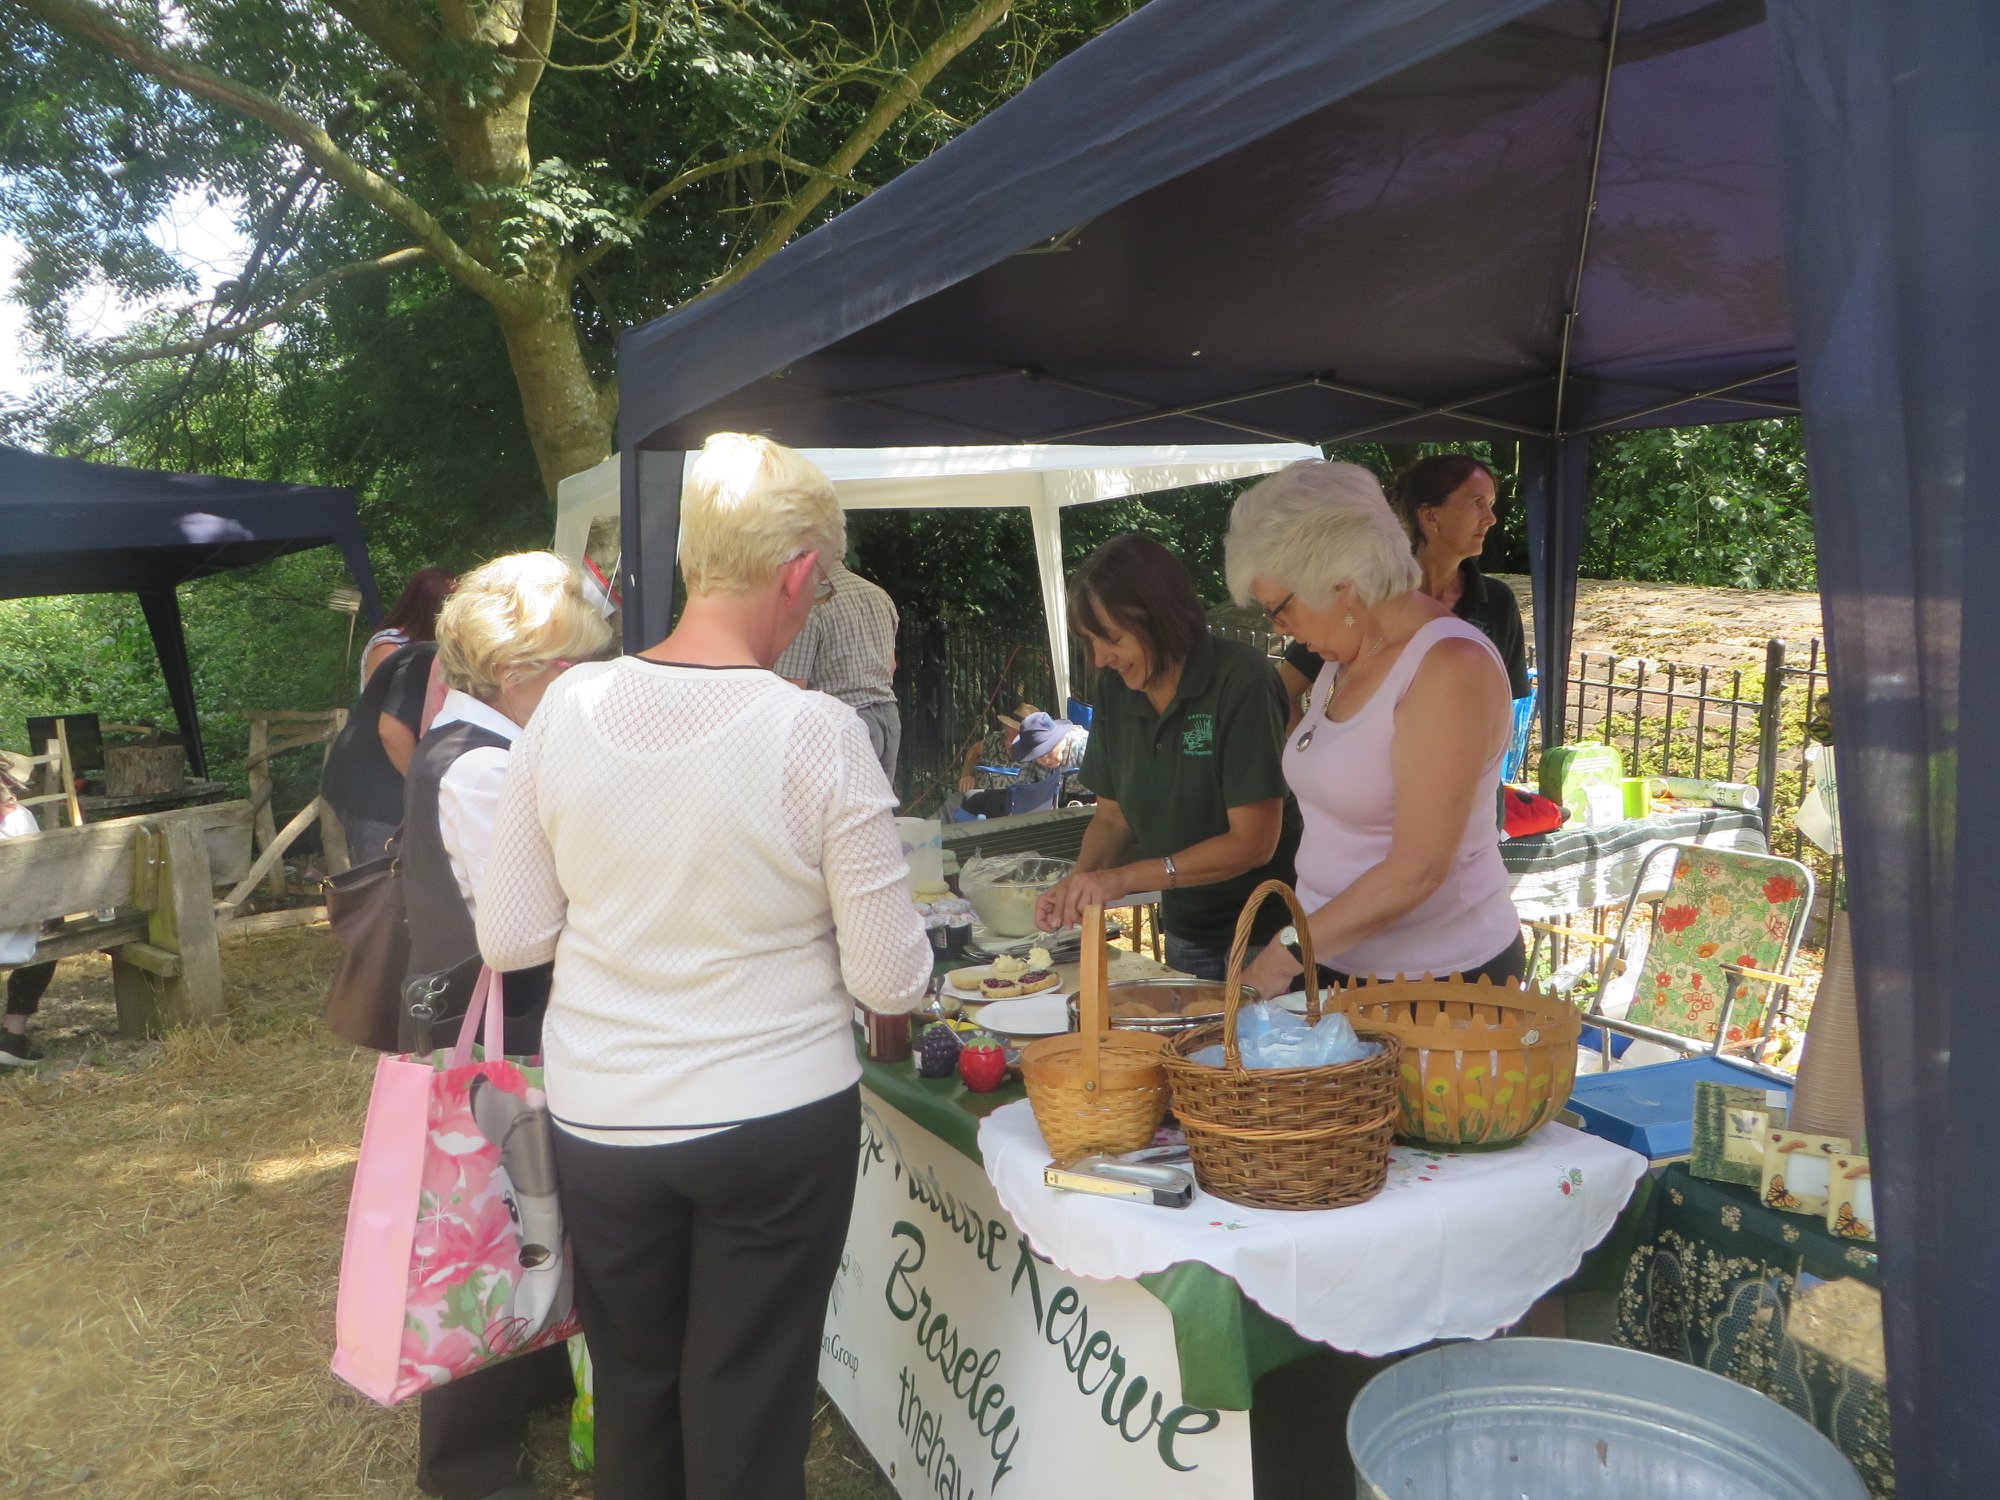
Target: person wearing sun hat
point(1042, 745)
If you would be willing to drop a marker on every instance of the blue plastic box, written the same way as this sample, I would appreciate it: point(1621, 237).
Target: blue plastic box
point(1651, 1109)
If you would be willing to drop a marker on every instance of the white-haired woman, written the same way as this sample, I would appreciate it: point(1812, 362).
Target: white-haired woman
point(1396, 763)
point(709, 855)
point(512, 627)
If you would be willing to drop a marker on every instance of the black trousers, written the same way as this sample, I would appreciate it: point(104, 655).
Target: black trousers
point(471, 1433)
point(1510, 962)
point(26, 986)
point(703, 1270)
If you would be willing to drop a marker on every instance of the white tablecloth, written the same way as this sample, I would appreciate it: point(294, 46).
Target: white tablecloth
point(1455, 1246)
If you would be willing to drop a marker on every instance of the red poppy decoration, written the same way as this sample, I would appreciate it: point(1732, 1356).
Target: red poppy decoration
point(1676, 918)
point(1781, 888)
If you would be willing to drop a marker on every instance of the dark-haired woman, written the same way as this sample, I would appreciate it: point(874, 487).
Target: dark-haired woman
point(413, 619)
point(1445, 502)
point(1184, 757)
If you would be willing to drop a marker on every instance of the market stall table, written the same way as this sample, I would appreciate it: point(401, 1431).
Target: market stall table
point(1549, 875)
point(964, 1356)
point(1771, 1299)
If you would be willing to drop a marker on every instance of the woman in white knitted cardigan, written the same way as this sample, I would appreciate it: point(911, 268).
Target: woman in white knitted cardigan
point(709, 855)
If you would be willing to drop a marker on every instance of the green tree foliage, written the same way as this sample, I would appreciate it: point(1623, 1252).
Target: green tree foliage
point(1722, 506)
point(549, 171)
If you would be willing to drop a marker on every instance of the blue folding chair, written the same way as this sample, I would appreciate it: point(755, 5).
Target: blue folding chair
point(1524, 721)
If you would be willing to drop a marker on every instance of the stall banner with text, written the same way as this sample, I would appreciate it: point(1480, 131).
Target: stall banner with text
point(971, 1369)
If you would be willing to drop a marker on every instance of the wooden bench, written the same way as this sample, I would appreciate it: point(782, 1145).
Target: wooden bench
point(157, 875)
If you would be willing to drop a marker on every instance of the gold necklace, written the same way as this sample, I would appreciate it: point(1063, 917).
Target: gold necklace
point(1339, 687)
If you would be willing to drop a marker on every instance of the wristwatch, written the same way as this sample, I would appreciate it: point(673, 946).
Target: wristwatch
point(1288, 939)
point(1173, 875)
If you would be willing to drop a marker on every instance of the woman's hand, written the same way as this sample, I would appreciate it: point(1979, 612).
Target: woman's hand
point(1062, 904)
point(1272, 972)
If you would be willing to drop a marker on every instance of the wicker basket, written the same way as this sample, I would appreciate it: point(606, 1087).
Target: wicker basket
point(1483, 1064)
point(1295, 1138)
point(1095, 1089)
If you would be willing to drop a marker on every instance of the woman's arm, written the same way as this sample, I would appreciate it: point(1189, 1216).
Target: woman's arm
point(468, 804)
point(885, 954)
point(1251, 839)
point(522, 906)
point(1450, 724)
point(399, 742)
point(375, 655)
point(1105, 840)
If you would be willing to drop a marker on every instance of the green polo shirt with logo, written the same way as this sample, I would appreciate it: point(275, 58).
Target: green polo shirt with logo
point(1176, 774)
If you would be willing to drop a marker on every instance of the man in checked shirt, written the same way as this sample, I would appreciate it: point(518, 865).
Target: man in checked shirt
point(848, 649)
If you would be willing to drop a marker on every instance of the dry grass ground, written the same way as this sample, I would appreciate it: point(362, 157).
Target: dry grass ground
point(170, 1226)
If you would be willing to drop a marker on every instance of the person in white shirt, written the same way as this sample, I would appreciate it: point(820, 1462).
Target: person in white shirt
point(710, 857)
point(27, 983)
point(510, 630)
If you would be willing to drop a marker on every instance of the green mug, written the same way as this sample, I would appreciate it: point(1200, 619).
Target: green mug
point(1638, 796)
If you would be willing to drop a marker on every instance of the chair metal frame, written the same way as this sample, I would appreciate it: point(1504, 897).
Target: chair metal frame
point(1615, 962)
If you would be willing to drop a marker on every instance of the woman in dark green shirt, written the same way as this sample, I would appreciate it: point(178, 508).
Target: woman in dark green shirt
point(1184, 757)
point(1446, 503)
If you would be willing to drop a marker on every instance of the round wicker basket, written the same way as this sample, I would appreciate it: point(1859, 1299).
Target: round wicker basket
point(1482, 1064)
point(1294, 1138)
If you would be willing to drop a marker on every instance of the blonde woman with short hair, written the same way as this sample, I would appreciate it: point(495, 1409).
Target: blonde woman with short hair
point(511, 629)
point(1396, 762)
point(709, 855)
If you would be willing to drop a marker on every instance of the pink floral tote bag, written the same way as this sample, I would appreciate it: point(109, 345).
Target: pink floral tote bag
point(455, 1255)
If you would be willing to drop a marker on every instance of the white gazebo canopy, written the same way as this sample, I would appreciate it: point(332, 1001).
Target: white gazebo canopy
point(1041, 478)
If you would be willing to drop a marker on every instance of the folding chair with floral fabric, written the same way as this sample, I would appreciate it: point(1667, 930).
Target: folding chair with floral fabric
point(1719, 919)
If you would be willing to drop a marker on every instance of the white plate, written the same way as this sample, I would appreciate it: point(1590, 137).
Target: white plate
point(1046, 1014)
point(963, 985)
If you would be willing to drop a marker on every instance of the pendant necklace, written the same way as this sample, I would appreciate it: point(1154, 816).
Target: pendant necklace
point(1340, 686)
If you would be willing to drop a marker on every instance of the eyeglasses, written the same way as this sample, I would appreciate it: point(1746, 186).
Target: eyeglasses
point(1274, 612)
point(823, 590)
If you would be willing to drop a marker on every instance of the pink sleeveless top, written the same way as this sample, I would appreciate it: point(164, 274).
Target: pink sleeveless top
point(1344, 784)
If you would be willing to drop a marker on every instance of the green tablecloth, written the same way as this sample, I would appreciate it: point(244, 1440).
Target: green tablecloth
point(1224, 1340)
point(1716, 1282)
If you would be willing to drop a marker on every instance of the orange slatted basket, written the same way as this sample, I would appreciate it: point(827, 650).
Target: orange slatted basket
point(1297, 1138)
point(1483, 1064)
point(1095, 1089)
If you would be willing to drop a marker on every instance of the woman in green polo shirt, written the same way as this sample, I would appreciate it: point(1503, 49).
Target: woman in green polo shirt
point(1185, 757)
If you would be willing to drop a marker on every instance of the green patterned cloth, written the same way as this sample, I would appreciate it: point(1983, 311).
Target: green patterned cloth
point(1714, 1283)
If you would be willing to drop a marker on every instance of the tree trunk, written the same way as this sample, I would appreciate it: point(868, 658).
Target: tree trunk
point(571, 418)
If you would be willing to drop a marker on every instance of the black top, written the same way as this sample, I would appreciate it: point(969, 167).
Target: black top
point(360, 781)
point(1484, 602)
point(443, 939)
point(1176, 774)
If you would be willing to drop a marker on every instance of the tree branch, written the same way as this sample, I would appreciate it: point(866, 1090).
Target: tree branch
point(714, 168)
point(897, 96)
point(390, 26)
point(88, 22)
point(530, 48)
point(230, 333)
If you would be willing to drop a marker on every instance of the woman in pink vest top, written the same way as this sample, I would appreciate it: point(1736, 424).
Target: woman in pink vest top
point(1396, 763)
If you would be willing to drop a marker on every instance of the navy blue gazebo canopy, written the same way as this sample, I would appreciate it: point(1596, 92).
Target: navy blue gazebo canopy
point(1532, 219)
point(71, 527)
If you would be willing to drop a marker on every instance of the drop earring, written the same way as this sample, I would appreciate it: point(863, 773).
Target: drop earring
point(1348, 619)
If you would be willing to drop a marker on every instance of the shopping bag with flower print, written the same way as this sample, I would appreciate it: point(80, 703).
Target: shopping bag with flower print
point(455, 1255)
